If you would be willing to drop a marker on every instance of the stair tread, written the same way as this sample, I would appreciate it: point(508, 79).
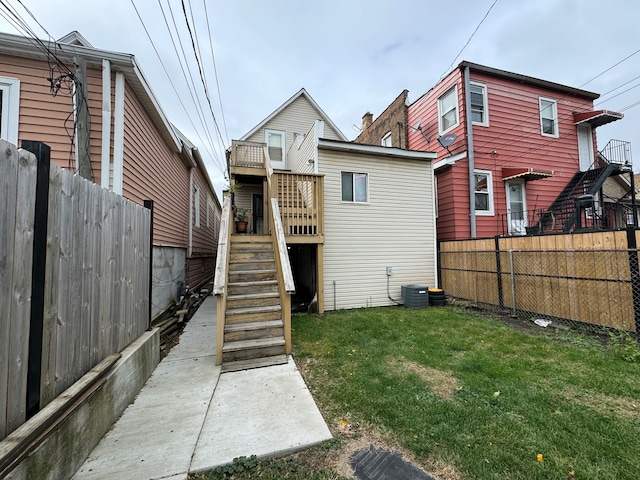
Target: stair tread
point(265, 270)
point(252, 260)
point(254, 363)
point(253, 296)
point(256, 283)
point(239, 327)
point(239, 311)
point(255, 343)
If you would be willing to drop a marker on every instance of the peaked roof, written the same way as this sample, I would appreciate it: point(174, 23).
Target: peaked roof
point(301, 93)
point(74, 38)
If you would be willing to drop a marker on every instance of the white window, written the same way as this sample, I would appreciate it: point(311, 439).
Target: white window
point(479, 104)
point(448, 110)
point(483, 190)
point(196, 206)
point(275, 141)
point(355, 187)
point(9, 109)
point(548, 117)
point(386, 140)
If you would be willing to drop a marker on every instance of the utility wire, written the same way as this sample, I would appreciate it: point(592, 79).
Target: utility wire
point(166, 71)
point(470, 38)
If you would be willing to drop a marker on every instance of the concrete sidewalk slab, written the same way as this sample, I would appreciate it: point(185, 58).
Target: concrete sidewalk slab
point(259, 412)
point(188, 418)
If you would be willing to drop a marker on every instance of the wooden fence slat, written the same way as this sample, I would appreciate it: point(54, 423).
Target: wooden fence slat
point(21, 294)
point(8, 194)
point(52, 282)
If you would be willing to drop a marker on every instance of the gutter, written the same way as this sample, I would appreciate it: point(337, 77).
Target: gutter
point(470, 154)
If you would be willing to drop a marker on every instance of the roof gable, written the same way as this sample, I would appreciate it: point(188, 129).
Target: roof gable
point(302, 93)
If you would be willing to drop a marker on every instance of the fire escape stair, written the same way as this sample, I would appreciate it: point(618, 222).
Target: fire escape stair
point(254, 328)
point(562, 215)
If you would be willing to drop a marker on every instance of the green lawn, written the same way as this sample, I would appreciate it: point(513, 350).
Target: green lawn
point(465, 397)
point(470, 393)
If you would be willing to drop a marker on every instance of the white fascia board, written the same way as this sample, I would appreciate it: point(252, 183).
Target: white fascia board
point(376, 150)
point(449, 160)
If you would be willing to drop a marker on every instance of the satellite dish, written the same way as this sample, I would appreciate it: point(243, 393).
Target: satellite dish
point(417, 125)
point(446, 140)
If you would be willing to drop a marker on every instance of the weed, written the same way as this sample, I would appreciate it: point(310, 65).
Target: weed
point(623, 346)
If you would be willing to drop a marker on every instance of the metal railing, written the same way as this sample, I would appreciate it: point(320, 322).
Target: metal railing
point(617, 151)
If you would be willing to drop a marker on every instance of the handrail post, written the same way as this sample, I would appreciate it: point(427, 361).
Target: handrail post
point(222, 273)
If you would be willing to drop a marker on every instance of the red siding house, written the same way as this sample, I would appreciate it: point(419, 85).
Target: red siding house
point(129, 145)
point(516, 154)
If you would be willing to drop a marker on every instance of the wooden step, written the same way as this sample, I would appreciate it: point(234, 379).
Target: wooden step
point(253, 300)
point(250, 239)
point(252, 275)
point(251, 255)
point(242, 265)
point(255, 246)
point(253, 314)
point(251, 349)
point(254, 363)
point(253, 330)
point(262, 286)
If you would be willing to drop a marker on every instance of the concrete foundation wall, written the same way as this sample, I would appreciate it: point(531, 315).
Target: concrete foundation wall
point(169, 268)
point(63, 452)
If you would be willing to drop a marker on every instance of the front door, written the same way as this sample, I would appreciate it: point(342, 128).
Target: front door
point(585, 147)
point(257, 214)
point(516, 207)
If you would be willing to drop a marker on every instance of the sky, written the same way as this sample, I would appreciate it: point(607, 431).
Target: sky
point(352, 56)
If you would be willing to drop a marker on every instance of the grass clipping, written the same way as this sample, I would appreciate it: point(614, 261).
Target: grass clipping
point(442, 383)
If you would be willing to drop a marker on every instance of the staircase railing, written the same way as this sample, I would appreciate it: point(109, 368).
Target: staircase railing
point(286, 285)
point(301, 200)
point(222, 273)
point(617, 151)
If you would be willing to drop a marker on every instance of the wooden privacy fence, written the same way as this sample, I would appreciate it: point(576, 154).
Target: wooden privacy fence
point(74, 279)
point(592, 278)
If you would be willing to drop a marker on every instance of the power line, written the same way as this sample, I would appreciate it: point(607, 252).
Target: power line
point(469, 40)
point(178, 96)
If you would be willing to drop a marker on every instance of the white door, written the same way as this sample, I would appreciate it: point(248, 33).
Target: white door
point(516, 207)
point(276, 142)
point(585, 147)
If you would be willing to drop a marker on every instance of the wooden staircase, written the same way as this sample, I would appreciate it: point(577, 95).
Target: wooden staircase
point(254, 327)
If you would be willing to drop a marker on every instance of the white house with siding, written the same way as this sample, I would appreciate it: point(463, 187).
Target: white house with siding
point(372, 207)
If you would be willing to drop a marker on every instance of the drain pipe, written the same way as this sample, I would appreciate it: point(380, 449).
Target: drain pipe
point(472, 190)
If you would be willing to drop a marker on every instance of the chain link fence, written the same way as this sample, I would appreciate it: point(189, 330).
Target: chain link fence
point(590, 281)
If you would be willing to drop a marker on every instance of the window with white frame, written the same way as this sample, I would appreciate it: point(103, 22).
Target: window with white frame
point(479, 104)
point(275, 141)
point(448, 110)
point(483, 190)
point(386, 140)
point(355, 187)
point(9, 109)
point(548, 117)
point(196, 206)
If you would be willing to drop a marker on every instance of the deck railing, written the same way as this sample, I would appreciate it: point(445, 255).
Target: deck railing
point(247, 154)
point(301, 201)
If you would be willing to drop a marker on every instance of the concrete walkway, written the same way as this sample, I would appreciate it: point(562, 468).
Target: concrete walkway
point(190, 418)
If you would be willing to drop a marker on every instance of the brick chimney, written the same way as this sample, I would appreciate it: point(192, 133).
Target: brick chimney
point(367, 119)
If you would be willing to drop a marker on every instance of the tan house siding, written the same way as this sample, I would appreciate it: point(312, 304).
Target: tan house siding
point(297, 118)
point(299, 157)
point(153, 171)
point(395, 229)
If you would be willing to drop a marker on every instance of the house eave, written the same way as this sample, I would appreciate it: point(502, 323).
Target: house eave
point(377, 150)
point(125, 63)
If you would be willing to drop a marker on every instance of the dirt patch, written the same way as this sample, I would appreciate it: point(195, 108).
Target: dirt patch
point(605, 404)
point(441, 382)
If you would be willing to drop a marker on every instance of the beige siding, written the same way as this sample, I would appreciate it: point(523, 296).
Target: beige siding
point(298, 160)
point(298, 117)
point(396, 229)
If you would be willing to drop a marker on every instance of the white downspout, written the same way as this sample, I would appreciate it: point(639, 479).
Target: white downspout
point(190, 211)
point(118, 135)
point(105, 167)
point(467, 113)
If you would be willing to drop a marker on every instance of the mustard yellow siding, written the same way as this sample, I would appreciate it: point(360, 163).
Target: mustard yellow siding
point(395, 229)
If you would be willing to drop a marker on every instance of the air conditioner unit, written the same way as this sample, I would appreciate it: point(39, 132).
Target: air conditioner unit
point(415, 296)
